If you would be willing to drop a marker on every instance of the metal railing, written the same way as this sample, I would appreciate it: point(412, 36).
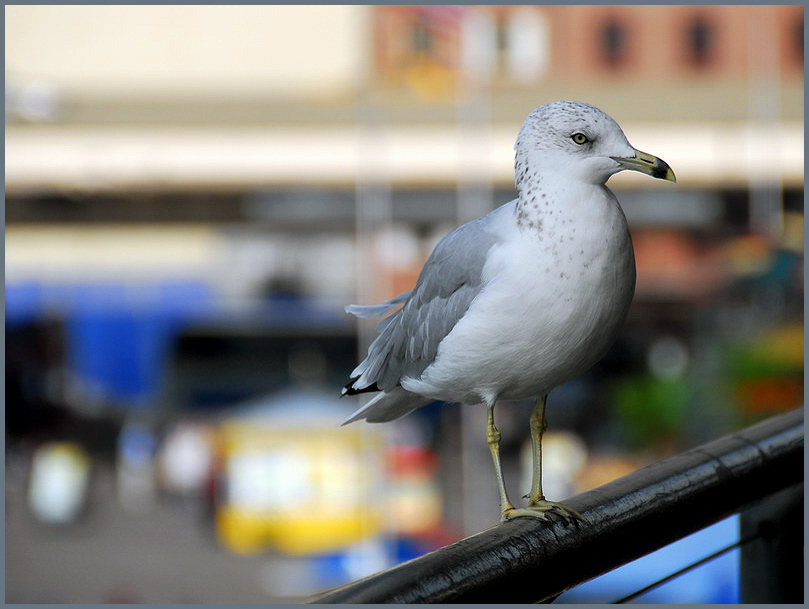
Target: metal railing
point(528, 560)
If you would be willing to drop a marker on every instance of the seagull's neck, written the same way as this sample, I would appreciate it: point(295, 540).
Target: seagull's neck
point(546, 199)
point(538, 195)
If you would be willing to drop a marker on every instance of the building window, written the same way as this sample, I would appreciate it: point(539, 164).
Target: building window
point(613, 39)
point(502, 34)
point(421, 37)
point(528, 44)
point(700, 42)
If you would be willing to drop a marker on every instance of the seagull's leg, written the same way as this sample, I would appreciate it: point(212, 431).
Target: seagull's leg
point(538, 426)
point(493, 438)
point(537, 504)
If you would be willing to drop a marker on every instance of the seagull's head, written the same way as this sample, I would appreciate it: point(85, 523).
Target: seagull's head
point(581, 142)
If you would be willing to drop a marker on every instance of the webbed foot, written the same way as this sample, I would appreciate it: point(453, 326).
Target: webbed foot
point(542, 509)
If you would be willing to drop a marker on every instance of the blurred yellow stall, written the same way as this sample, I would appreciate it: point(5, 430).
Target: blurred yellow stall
point(298, 489)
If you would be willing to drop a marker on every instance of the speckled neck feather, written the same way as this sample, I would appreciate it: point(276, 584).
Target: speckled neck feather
point(531, 196)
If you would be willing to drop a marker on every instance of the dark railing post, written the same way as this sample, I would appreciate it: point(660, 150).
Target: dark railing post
point(772, 564)
point(526, 560)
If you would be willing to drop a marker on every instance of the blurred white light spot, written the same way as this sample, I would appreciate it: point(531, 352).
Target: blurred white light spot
point(59, 478)
point(564, 455)
point(272, 480)
point(667, 358)
point(398, 248)
point(186, 460)
point(38, 102)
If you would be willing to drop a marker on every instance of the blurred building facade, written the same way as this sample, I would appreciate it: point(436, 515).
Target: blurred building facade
point(194, 193)
point(217, 83)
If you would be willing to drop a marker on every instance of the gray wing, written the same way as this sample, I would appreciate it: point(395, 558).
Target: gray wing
point(408, 339)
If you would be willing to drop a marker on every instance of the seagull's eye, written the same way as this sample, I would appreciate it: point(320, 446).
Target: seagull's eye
point(579, 138)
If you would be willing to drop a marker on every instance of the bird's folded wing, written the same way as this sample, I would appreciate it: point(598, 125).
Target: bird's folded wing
point(451, 279)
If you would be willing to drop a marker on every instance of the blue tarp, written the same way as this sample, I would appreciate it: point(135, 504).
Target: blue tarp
point(117, 337)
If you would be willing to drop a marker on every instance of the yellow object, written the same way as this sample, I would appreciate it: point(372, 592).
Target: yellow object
point(306, 533)
point(784, 345)
point(428, 79)
point(301, 490)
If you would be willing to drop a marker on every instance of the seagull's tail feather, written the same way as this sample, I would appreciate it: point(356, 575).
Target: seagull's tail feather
point(389, 405)
point(364, 311)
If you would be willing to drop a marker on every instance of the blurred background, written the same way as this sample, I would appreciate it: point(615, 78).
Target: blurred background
point(193, 194)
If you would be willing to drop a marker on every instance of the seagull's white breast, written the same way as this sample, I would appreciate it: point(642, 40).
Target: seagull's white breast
point(556, 291)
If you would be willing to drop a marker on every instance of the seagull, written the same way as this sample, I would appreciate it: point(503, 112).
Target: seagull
point(521, 300)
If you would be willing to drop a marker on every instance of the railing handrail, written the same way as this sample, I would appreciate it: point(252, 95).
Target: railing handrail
point(528, 560)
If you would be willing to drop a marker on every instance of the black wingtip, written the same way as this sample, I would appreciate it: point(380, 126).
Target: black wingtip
point(350, 390)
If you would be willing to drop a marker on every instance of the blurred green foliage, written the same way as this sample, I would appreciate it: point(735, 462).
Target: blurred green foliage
point(650, 410)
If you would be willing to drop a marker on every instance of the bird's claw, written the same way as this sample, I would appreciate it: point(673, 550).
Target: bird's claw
point(542, 509)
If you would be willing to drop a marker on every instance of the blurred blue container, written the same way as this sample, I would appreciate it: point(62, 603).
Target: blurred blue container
point(118, 336)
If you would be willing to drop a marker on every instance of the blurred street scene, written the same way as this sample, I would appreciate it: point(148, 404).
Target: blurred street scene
point(194, 193)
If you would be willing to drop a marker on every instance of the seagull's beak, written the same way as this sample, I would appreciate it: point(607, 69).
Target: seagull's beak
point(648, 164)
